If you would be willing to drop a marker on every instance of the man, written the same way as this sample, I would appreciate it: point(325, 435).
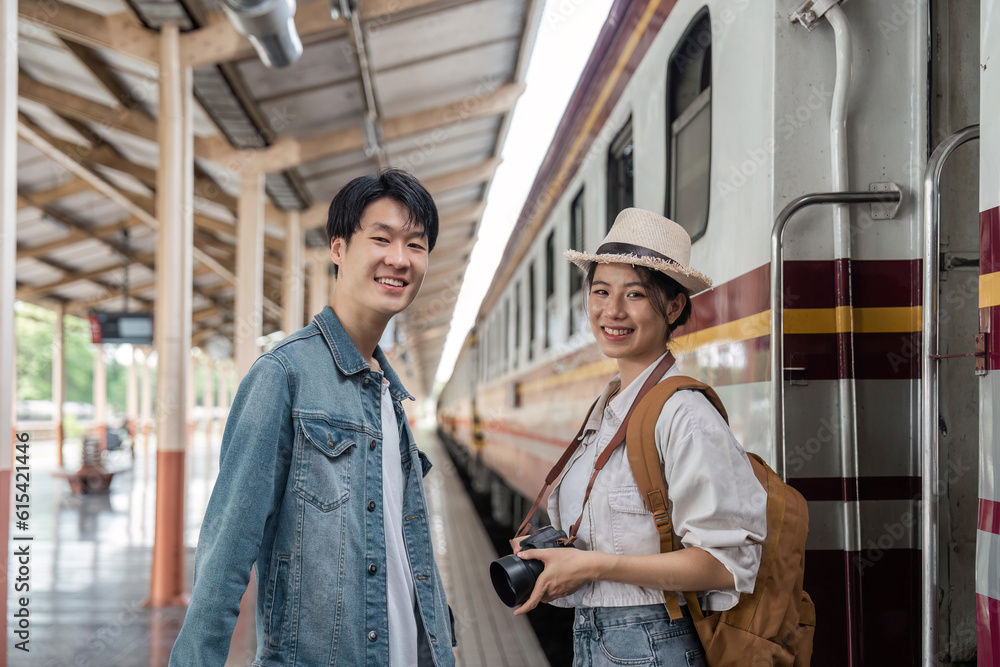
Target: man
point(320, 482)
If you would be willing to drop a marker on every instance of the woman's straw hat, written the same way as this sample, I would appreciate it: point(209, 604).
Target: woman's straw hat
point(643, 238)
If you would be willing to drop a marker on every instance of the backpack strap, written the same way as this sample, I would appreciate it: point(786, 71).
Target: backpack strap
point(644, 459)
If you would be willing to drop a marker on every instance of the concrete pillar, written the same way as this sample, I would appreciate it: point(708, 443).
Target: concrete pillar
point(131, 395)
point(249, 271)
point(293, 282)
point(207, 389)
point(224, 376)
point(101, 395)
point(59, 377)
point(174, 210)
point(146, 394)
point(8, 258)
point(191, 395)
point(319, 284)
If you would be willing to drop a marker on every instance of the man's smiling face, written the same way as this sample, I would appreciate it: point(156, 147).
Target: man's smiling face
point(382, 266)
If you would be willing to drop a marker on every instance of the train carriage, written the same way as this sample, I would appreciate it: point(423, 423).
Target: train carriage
point(721, 114)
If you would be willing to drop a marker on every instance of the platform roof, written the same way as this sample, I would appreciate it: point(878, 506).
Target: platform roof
point(444, 74)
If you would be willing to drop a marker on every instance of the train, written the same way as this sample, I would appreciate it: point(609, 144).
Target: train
point(832, 164)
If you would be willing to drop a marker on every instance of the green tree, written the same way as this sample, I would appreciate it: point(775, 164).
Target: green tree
point(33, 329)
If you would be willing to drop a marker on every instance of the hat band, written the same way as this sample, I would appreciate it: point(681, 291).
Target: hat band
point(630, 249)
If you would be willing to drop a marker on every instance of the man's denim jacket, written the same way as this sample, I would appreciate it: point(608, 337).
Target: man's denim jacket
point(299, 498)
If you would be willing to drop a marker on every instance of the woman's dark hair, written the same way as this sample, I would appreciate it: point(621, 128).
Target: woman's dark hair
point(660, 288)
point(344, 218)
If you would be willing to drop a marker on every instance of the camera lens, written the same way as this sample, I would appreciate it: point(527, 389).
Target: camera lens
point(514, 579)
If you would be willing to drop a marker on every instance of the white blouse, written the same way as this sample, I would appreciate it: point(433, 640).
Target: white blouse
point(716, 502)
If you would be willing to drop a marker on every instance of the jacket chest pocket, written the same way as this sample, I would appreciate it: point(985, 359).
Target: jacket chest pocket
point(323, 464)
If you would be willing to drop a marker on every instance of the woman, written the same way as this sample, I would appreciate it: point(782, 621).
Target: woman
point(640, 284)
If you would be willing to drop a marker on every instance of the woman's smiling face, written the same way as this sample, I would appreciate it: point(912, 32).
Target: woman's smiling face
point(623, 318)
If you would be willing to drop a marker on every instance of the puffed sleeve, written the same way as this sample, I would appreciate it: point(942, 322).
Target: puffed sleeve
point(717, 503)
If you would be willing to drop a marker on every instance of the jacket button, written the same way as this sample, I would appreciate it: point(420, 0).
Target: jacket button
point(371, 505)
point(372, 445)
point(373, 568)
point(372, 636)
point(366, 382)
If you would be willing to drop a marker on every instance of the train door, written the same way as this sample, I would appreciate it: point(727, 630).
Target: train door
point(954, 104)
point(987, 569)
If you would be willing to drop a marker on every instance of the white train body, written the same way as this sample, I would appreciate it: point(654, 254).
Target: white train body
point(852, 293)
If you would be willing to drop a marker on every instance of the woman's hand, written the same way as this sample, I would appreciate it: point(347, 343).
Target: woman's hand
point(566, 570)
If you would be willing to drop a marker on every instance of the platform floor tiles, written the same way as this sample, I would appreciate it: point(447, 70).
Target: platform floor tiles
point(91, 557)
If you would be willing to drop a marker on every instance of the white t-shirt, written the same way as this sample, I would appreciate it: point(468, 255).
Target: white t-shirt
point(402, 600)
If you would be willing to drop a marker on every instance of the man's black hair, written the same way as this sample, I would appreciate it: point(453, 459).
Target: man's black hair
point(346, 208)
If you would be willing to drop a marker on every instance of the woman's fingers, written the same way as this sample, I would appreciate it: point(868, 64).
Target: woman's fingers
point(515, 543)
point(537, 595)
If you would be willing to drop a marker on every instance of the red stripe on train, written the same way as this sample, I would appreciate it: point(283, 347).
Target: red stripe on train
point(857, 488)
point(989, 516)
point(498, 427)
point(989, 262)
point(987, 631)
point(809, 284)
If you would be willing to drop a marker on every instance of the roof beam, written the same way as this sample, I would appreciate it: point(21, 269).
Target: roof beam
point(287, 153)
point(131, 120)
point(29, 291)
point(480, 173)
point(71, 187)
point(67, 221)
point(74, 236)
point(471, 213)
point(71, 157)
point(118, 32)
point(317, 213)
point(89, 58)
point(453, 246)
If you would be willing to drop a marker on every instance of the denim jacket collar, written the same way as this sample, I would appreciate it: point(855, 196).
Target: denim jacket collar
point(347, 357)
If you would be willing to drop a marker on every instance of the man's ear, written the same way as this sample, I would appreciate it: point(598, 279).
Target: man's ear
point(337, 245)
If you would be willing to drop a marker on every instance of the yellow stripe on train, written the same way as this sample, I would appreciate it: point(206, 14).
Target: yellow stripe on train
point(989, 290)
point(903, 319)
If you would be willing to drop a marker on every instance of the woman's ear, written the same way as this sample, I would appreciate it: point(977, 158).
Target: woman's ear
point(675, 307)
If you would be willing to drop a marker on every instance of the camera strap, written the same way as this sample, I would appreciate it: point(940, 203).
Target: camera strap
point(619, 438)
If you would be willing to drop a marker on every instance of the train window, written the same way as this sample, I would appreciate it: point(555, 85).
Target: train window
point(621, 194)
point(577, 303)
point(532, 311)
point(506, 334)
point(517, 323)
point(550, 286)
point(689, 129)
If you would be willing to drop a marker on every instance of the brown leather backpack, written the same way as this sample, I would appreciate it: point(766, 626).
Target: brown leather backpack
point(775, 624)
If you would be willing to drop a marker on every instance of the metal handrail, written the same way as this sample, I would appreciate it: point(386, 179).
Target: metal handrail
point(777, 300)
point(929, 444)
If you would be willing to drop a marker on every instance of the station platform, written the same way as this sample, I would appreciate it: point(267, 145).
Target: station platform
point(91, 558)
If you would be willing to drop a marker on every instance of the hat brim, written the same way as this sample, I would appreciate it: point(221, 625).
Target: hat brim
point(691, 280)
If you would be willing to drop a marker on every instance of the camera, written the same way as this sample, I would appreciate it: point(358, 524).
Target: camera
point(513, 578)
